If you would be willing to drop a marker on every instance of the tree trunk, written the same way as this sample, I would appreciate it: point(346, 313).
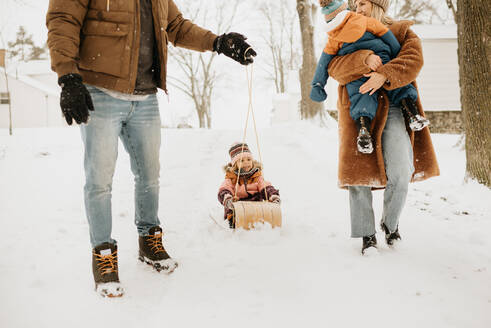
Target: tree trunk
point(208, 120)
point(474, 39)
point(308, 108)
point(201, 117)
point(9, 97)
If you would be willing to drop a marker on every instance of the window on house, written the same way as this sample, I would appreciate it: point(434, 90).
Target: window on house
point(4, 98)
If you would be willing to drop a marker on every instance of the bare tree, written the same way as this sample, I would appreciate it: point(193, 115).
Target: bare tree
point(453, 7)
point(6, 81)
point(199, 71)
point(281, 40)
point(308, 108)
point(474, 53)
point(419, 11)
point(23, 48)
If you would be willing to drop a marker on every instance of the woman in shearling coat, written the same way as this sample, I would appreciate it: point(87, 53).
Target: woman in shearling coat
point(401, 155)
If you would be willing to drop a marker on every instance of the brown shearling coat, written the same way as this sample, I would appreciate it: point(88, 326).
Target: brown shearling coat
point(100, 39)
point(355, 168)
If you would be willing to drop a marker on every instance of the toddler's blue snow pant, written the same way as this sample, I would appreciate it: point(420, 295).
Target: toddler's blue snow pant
point(364, 104)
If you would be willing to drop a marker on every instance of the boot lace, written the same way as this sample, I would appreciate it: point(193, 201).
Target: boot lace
point(107, 263)
point(155, 243)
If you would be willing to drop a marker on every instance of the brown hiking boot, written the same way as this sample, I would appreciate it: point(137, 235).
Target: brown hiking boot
point(105, 270)
point(153, 252)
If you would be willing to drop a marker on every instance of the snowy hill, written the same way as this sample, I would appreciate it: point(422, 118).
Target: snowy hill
point(309, 273)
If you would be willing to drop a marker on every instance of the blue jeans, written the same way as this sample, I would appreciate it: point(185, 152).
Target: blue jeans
point(137, 124)
point(398, 159)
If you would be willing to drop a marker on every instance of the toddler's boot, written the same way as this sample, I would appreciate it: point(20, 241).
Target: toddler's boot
point(105, 270)
point(410, 110)
point(364, 139)
point(153, 253)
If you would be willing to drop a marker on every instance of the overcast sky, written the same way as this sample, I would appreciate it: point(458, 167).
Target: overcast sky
point(28, 13)
point(31, 14)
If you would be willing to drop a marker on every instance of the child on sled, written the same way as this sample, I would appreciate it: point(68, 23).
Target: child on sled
point(349, 32)
point(251, 186)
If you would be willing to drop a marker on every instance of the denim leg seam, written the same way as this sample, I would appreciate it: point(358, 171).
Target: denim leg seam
point(138, 166)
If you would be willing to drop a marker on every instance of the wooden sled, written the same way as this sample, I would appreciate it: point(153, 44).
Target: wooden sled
point(247, 214)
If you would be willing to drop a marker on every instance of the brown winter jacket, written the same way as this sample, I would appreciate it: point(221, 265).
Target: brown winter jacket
point(369, 170)
point(100, 39)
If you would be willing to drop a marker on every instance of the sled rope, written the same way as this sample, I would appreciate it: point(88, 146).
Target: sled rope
point(218, 224)
point(250, 110)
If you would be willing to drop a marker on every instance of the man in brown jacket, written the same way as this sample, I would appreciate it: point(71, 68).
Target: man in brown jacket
point(110, 57)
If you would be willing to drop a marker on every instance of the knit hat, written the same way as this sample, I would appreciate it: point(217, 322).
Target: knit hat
point(384, 4)
point(237, 151)
point(330, 8)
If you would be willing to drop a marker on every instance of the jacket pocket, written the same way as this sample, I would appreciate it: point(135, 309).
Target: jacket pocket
point(105, 48)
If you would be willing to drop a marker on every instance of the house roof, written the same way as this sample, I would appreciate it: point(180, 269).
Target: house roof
point(434, 32)
point(47, 89)
point(33, 67)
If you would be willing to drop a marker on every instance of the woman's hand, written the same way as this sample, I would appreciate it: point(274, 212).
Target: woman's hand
point(375, 82)
point(373, 61)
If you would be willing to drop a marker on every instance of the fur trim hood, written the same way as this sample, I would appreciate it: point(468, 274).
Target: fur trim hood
point(229, 167)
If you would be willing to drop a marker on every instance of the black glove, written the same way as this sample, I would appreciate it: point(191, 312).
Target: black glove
point(233, 45)
point(75, 100)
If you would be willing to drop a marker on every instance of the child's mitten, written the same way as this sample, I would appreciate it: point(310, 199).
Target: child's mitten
point(227, 202)
point(318, 93)
point(320, 78)
point(275, 199)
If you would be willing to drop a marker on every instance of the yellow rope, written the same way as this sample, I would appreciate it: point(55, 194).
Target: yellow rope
point(250, 109)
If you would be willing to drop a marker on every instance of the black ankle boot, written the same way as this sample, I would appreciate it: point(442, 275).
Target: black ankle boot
point(410, 111)
point(390, 237)
point(368, 241)
point(364, 139)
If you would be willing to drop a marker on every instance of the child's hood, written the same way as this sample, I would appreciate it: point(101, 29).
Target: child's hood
point(347, 26)
point(228, 169)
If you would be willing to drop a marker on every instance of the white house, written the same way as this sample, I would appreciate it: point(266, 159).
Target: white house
point(33, 94)
point(438, 81)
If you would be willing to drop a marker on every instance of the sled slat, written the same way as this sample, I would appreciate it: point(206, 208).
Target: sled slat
point(247, 214)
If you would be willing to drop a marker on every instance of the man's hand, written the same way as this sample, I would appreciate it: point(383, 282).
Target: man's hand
point(75, 100)
point(374, 62)
point(375, 81)
point(233, 45)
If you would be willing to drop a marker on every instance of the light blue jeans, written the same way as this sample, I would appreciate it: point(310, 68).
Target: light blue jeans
point(137, 124)
point(398, 159)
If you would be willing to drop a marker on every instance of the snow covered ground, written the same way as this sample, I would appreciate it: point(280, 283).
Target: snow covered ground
point(309, 273)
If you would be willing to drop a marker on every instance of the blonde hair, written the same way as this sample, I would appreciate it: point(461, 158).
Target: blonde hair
point(379, 14)
point(235, 166)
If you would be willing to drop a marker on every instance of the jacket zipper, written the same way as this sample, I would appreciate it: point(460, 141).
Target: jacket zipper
point(135, 57)
point(160, 51)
